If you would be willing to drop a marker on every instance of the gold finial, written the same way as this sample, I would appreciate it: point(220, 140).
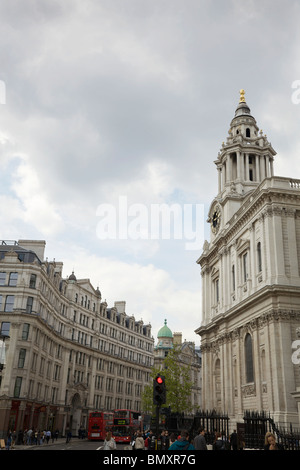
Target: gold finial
point(242, 96)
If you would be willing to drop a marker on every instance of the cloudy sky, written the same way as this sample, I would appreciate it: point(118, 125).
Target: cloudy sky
point(110, 108)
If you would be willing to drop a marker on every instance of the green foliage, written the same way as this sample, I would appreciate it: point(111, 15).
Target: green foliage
point(178, 382)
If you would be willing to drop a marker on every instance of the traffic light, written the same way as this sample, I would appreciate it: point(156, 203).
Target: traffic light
point(159, 390)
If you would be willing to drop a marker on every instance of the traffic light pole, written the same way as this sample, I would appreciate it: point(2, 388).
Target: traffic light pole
point(157, 422)
point(159, 398)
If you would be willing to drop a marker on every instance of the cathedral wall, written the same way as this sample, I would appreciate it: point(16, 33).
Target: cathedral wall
point(251, 281)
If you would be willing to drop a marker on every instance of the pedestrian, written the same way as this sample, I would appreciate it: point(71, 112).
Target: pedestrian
point(48, 435)
point(28, 435)
point(139, 442)
point(219, 443)
point(151, 441)
point(69, 436)
point(8, 440)
point(199, 441)
point(270, 442)
point(172, 438)
point(109, 443)
point(165, 440)
point(132, 440)
point(234, 440)
point(183, 443)
point(13, 439)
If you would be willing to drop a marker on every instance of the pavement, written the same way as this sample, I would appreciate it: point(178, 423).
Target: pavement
point(61, 440)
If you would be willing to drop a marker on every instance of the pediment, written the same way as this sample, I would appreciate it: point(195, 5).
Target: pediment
point(243, 244)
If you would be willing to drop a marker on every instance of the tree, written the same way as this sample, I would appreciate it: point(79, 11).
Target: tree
point(178, 382)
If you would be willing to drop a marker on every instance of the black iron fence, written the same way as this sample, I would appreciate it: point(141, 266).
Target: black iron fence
point(211, 421)
point(251, 433)
point(257, 424)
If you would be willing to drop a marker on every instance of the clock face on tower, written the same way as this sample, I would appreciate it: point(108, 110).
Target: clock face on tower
point(215, 220)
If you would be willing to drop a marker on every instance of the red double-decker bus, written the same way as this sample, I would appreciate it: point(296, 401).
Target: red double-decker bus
point(100, 422)
point(126, 423)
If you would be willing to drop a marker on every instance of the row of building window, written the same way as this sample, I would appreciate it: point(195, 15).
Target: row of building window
point(109, 403)
point(48, 345)
point(100, 344)
point(100, 401)
point(101, 383)
point(13, 280)
point(7, 305)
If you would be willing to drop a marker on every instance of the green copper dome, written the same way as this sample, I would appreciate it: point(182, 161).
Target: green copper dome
point(165, 332)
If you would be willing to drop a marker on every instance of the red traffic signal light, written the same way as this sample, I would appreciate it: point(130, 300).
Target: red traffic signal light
point(159, 390)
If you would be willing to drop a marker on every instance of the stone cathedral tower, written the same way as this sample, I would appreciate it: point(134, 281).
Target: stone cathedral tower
point(250, 281)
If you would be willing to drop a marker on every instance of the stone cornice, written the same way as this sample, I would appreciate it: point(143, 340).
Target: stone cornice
point(240, 331)
point(265, 201)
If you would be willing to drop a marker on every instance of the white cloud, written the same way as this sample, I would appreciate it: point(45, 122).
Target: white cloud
point(36, 208)
point(150, 292)
point(111, 98)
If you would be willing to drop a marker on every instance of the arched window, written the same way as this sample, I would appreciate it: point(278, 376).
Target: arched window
point(249, 359)
point(259, 264)
point(247, 132)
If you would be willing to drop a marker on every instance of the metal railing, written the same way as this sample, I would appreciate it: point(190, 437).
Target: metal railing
point(257, 424)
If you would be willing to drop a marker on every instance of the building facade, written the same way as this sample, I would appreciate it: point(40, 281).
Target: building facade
point(250, 281)
point(190, 356)
point(66, 352)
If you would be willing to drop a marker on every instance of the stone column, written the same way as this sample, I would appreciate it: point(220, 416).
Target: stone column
point(257, 371)
point(277, 239)
point(238, 164)
point(239, 367)
point(269, 359)
point(253, 257)
point(272, 166)
point(204, 287)
point(292, 243)
point(269, 247)
point(21, 412)
point(257, 168)
point(229, 166)
point(247, 167)
point(262, 168)
point(268, 166)
point(219, 179)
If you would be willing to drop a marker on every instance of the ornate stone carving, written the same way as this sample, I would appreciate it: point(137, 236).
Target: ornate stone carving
point(248, 390)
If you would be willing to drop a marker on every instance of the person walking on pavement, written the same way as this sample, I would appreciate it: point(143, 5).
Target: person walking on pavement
point(69, 435)
point(48, 435)
point(109, 443)
point(234, 440)
point(220, 442)
point(8, 440)
point(183, 443)
point(139, 442)
point(199, 441)
point(165, 440)
point(151, 441)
